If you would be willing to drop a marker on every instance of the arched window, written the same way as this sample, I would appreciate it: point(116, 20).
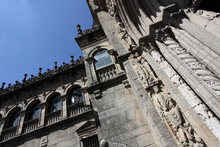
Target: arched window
point(35, 111)
point(55, 103)
point(15, 119)
point(102, 59)
point(75, 96)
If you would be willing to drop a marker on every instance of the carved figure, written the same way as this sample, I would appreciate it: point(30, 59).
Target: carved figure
point(143, 71)
point(163, 102)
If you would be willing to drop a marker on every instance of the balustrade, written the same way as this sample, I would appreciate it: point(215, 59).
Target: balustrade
point(50, 118)
point(107, 73)
point(30, 125)
point(53, 117)
point(8, 133)
point(76, 109)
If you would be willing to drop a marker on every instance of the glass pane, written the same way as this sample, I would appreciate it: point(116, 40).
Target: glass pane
point(35, 112)
point(102, 59)
point(76, 96)
point(15, 120)
point(77, 91)
point(55, 104)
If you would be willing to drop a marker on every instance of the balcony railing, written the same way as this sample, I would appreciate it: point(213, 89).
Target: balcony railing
point(53, 117)
point(76, 109)
point(107, 73)
point(8, 133)
point(30, 125)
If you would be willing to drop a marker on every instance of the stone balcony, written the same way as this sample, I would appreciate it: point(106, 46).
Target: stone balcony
point(51, 119)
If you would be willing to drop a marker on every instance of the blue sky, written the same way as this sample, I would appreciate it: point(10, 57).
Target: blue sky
point(35, 33)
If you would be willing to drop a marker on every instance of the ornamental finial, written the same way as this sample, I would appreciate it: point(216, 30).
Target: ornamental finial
point(79, 30)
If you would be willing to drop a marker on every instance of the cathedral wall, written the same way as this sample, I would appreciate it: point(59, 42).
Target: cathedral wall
point(63, 135)
point(121, 119)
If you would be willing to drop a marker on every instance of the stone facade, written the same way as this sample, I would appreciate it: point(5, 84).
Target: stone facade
point(149, 76)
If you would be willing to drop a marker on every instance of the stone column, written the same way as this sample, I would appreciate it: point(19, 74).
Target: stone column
point(64, 107)
point(91, 71)
point(2, 123)
point(117, 66)
point(42, 115)
point(21, 123)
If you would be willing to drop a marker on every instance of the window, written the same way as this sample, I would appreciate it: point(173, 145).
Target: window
point(75, 96)
point(102, 59)
point(91, 141)
point(55, 103)
point(15, 119)
point(35, 112)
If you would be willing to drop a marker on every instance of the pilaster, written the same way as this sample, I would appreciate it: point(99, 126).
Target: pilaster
point(21, 123)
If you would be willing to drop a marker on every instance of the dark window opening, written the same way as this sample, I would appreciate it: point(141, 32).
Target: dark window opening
point(55, 104)
point(75, 96)
point(91, 142)
point(35, 112)
point(15, 119)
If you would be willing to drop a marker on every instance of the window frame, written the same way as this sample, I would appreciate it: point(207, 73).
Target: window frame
point(71, 94)
point(50, 103)
point(31, 112)
point(105, 51)
point(13, 118)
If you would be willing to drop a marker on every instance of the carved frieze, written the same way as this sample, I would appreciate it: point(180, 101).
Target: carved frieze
point(196, 103)
point(165, 105)
point(209, 78)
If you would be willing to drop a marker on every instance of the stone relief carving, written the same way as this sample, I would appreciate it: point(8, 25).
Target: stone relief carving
point(211, 80)
point(43, 141)
point(164, 104)
point(197, 105)
point(143, 70)
point(122, 32)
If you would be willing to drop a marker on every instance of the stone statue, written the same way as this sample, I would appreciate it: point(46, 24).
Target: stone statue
point(172, 115)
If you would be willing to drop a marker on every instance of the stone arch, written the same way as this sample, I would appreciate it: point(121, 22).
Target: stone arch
point(32, 102)
point(96, 49)
point(10, 115)
point(29, 108)
point(12, 110)
point(50, 95)
point(71, 87)
point(49, 98)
